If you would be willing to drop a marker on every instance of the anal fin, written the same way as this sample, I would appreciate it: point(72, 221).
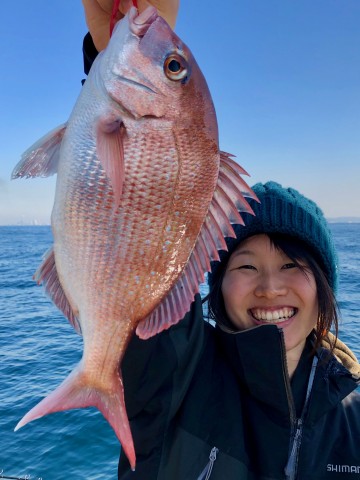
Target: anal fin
point(48, 276)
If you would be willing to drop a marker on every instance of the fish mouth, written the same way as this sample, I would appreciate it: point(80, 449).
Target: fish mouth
point(277, 315)
point(139, 23)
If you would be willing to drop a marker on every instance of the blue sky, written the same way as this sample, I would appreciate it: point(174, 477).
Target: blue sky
point(284, 75)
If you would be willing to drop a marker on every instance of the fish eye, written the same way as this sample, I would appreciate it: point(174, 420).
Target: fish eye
point(175, 67)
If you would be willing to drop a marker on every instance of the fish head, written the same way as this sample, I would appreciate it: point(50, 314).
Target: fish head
point(150, 73)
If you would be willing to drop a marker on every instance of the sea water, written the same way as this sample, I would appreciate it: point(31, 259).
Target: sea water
point(39, 348)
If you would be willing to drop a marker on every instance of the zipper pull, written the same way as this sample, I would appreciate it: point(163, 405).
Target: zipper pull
point(290, 466)
point(205, 474)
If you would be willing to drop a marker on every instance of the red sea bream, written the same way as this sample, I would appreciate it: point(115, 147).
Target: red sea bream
point(143, 201)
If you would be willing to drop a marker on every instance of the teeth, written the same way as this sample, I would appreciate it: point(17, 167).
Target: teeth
point(274, 315)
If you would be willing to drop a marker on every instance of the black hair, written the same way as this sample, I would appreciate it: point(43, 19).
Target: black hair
point(304, 258)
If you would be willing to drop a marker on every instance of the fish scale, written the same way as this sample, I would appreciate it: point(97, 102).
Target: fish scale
point(143, 200)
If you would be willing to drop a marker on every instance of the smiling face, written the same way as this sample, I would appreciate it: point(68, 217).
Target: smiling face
point(262, 285)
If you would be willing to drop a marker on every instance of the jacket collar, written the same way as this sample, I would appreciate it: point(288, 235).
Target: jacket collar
point(333, 382)
point(257, 357)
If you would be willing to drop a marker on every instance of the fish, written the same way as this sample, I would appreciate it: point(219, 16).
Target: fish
point(144, 198)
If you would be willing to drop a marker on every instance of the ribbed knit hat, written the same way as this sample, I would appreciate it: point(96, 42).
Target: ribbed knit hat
point(286, 211)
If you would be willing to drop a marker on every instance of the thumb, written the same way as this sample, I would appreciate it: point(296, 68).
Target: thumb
point(167, 9)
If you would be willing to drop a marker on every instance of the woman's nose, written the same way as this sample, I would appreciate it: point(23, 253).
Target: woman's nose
point(270, 285)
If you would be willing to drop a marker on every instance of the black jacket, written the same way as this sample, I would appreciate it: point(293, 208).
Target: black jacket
point(195, 391)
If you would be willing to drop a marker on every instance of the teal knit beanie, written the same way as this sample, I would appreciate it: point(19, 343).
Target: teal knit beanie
point(286, 211)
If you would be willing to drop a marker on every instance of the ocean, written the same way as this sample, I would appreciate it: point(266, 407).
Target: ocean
point(38, 348)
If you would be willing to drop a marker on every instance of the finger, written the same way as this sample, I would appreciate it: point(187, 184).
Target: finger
point(97, 5)
point(125, 6)
point(168, 9)
point(97, 16)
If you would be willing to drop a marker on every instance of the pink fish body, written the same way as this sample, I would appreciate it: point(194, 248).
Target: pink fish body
point(143, 201)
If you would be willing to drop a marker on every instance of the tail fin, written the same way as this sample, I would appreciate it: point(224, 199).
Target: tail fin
point(74, 392)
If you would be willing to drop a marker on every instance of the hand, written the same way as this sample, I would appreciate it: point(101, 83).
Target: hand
point(98, 14)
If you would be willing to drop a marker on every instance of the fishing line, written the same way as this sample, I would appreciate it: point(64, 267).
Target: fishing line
point(113, 15)
point(114, 12)
point(25, 477)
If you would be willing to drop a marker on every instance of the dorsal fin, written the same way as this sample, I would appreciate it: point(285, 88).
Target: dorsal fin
point(229, 198)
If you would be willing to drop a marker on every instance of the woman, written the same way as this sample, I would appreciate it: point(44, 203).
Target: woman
point(267, 393)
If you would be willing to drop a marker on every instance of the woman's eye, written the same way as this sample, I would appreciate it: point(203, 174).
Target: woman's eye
point(247, 267)
point(289, 265)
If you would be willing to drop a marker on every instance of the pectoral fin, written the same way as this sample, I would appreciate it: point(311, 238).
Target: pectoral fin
point(110, 150)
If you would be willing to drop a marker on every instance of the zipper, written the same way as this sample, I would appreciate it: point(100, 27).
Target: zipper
point(205, 474)
point(295, 427)
point(292, 460)
point(289, 394)
point(291, 466)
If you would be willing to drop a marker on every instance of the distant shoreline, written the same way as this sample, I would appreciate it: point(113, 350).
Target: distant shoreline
point(25, 225)
point(344, 220)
